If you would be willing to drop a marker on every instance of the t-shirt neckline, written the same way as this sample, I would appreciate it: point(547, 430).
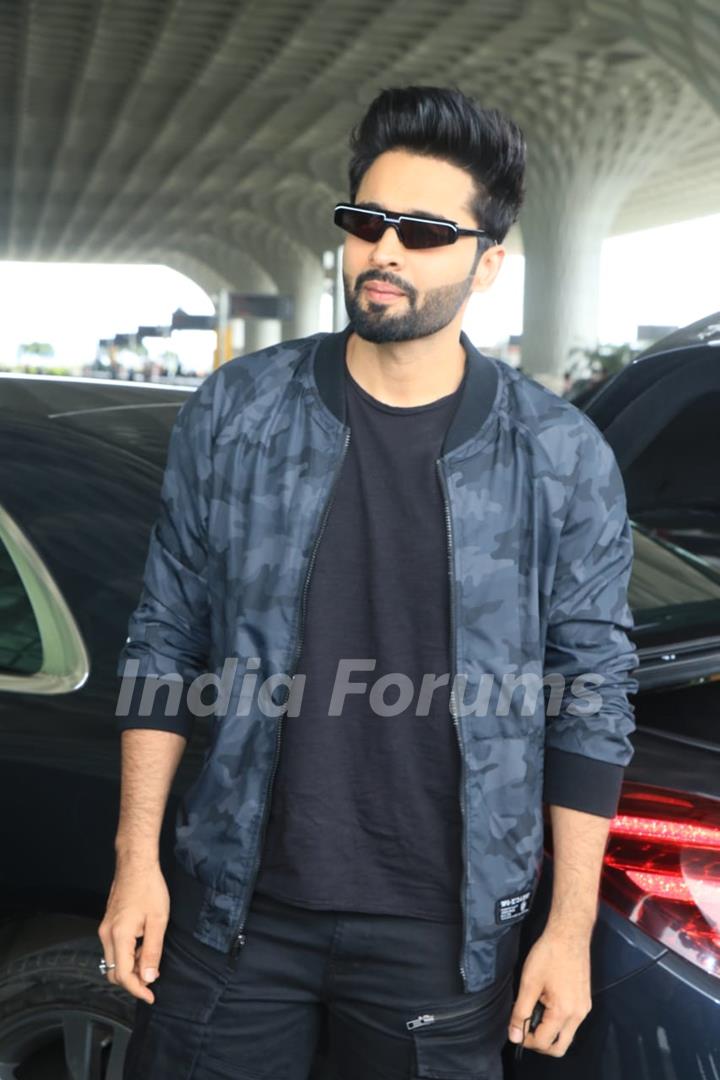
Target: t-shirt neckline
point(400, 410)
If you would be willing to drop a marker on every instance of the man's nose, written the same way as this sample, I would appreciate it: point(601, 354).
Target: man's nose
point(388, 249)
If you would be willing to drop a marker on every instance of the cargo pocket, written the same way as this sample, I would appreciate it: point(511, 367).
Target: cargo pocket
point(192, 976)
point(462, 1039)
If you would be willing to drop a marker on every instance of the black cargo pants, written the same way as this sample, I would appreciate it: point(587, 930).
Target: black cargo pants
point(381, 995)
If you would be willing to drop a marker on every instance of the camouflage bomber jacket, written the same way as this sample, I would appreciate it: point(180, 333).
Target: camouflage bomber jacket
point(539, 557)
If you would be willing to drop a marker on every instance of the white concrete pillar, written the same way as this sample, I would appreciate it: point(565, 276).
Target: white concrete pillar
point(340, 315)
point(306, 285)
point(563, 228)
point(246, 275)
point(590, 143)
point(261, 333)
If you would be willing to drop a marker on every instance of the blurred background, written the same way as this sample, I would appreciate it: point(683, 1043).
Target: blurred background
point(168, 172)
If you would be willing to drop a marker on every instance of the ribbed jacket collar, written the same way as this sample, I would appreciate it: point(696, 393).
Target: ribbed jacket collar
point(476, 400)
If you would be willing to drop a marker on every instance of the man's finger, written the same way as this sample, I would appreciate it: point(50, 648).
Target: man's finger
point(557, 1043)
point(151, 951)
point(107, 949)
point(550, 1028)
point(522, 1011)
point(124, 974)
point(109, 959)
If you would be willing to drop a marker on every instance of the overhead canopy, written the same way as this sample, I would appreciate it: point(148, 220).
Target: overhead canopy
point(213, 135)
point(142, 123)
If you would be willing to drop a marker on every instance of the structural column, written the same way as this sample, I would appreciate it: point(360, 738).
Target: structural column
point(306, 284)
point(246, 275)
point(563, 228)
point(340, 315)
point(261, 333)
point(591, 141)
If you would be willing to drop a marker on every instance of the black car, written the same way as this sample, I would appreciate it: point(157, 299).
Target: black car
point(79, 491)
point(656, 945)
point(662, 416)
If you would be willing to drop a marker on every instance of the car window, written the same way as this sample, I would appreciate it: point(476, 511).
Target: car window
point(664, 579)
point(679, 467)
point(20, 643)
point(41, 648)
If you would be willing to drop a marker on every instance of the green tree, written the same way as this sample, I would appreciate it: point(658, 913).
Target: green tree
point(36, 348)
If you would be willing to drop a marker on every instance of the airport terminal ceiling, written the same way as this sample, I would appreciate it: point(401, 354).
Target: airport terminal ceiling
point(214, 134)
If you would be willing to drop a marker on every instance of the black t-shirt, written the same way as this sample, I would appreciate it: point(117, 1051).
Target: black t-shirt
point(365, 811)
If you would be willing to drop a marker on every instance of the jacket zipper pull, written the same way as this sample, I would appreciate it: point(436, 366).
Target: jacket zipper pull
point(237, 945)
point(420, 1021)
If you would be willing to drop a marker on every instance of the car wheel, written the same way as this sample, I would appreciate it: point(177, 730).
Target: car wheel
point(60, 1018)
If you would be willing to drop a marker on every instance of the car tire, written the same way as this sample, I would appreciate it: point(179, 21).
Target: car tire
point(60, 1018)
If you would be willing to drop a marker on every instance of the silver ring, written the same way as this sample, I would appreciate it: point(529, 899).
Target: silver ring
point(105, 967)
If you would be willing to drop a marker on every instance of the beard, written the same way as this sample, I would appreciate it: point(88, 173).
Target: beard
point(373, 322)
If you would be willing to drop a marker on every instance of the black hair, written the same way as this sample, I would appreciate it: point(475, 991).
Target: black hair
point(443, 122)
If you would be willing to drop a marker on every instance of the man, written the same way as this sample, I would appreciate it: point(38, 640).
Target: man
point(388, 539)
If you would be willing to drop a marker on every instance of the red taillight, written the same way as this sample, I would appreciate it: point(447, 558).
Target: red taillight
point(662, 869)
point(682, 833)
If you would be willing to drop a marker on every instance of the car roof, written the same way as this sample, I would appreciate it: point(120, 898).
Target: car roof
point(124, 415)
point(90, 379)
point(52, 395)
point(705, 331)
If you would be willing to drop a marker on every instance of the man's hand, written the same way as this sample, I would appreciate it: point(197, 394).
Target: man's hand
point(557, 973)
point(138, 906)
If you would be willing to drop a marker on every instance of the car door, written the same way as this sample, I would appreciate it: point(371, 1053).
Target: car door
point(661, 415)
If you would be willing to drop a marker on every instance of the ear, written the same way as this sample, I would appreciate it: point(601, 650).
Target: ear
point(488, 268)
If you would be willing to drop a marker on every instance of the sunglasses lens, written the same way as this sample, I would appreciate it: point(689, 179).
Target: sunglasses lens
point(426, 234)
point(413, 234)
point(360, 223)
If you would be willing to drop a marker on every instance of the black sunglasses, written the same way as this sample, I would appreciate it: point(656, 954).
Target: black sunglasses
point(414, 232)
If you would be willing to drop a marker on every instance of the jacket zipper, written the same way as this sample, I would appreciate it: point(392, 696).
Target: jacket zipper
point(239, 935)
point(453, 704)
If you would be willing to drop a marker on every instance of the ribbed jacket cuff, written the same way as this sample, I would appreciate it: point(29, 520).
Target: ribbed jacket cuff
point(581, 783)
point(180, 720)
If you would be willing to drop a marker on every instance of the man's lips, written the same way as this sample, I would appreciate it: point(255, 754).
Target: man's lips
point(384, 290)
